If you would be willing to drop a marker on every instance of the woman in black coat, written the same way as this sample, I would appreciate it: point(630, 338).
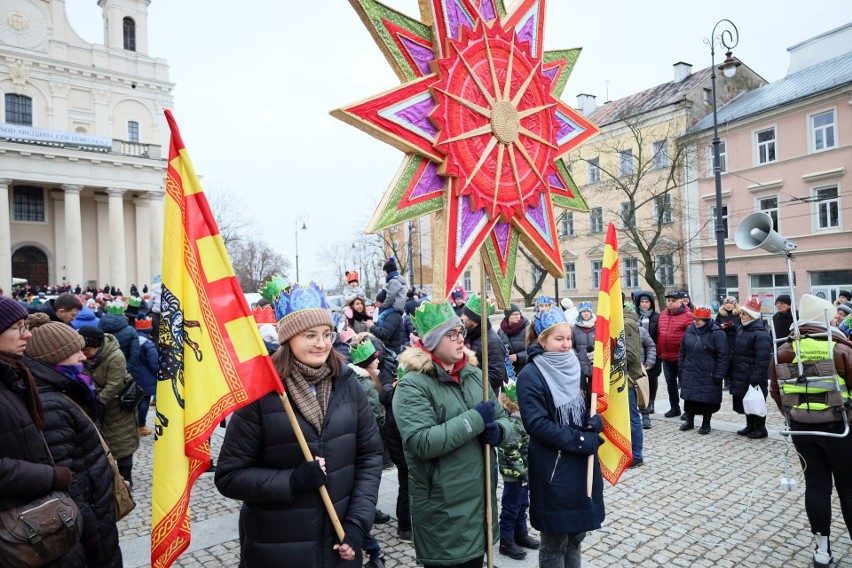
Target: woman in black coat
point(750, 365)
point(703, 363)
point(27, 471)
point(513, 334)
point(649, 319)
point(283, 520)
point(728, 319)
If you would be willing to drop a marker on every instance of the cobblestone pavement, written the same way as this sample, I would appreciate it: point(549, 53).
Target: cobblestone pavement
point(707, 501)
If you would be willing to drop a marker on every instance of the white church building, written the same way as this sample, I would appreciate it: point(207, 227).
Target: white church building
point(83, 147)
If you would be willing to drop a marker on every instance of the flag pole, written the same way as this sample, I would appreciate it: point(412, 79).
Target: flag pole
point(300, 437)
point(486, 396)
point(590, 470)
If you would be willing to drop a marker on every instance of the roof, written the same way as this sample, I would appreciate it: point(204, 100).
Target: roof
point(805, 83)
point(650, 99)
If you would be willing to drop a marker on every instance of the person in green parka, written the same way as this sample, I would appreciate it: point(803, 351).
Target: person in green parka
point(444, 423)
point(106, 365)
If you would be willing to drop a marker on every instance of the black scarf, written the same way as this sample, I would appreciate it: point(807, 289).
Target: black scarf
point(512, 329)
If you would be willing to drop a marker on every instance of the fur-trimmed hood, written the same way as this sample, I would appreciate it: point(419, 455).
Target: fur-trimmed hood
point(734, 313)
point(360, 371)
point(420, 361)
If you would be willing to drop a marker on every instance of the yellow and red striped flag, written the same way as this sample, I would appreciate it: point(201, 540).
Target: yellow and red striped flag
point(212, 359)
point(609, 374)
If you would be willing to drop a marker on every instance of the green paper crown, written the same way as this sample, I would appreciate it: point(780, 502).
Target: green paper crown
point(474, 304)
point(430, 315)
point(272, 287)
point(134, 302)
point(116, 308)
point(362, 351)
point(511, 390)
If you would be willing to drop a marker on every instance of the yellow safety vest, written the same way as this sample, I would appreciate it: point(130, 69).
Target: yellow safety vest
point(811, 393)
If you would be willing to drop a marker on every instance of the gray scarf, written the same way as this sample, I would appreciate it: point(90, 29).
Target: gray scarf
point(561, 372)
point(645, 318)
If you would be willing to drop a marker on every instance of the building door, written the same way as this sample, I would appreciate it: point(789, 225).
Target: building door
point(30, 263)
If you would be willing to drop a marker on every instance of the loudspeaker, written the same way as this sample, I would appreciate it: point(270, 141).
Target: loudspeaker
point(756, 231)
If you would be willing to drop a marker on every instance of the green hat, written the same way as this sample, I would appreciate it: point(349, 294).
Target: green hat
point(115, 308)
point(432, 320)
point(473, 307)
point(512, 309)
point(134, 302)
point(272, 287)
point(511, 390)
point(363, 353)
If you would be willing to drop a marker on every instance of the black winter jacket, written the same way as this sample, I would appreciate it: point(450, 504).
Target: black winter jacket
point(583, 344)
point(497, 373)
point(128, 340)
point(782, 323)
point(750, 359)
point(258, 456)
point(26, 472)
point(516, 345)
point(390, 330)
point(702, 363)
point(74, 443)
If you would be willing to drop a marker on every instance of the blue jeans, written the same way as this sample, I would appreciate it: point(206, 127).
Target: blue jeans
point(670, 370)
point(144, 404)
point(513, 514)
point(636, 435)
point(560, 550)
point(371, 546)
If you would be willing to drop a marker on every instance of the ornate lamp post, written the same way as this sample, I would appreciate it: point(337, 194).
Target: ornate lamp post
point(301, 217)
point(728, 38)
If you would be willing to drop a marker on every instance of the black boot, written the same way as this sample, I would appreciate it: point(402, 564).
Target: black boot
point(509, 548)
point(749, 426)
point(526, 541)
point(688, 423)
point(705, 425)
point(759, 428)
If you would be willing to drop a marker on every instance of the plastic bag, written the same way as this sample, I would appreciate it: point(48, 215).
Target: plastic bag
point(754, 402)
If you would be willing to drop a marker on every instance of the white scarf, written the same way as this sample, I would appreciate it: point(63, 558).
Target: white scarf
point(561, 372)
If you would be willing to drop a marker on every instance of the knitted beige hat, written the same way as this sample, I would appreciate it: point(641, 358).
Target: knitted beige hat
point(297, 322)
point(52, 341)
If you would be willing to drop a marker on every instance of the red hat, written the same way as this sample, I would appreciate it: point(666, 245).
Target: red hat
point(352, 277)
point(752, 308)
point(264, 314)
point(144, 325)
point(702, 312)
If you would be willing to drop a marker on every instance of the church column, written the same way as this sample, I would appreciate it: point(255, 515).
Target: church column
point(60, 268)
point(5, 238)
point(102, 240)
point(73, 236)
point(143, 238)
point(117, 258)
point(157, 217)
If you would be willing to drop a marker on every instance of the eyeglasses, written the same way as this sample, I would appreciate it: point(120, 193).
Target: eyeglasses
point(21, 329)
point(453, 335)
point(313, 339)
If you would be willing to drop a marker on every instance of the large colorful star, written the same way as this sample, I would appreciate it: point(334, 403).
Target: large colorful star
point(479, 118)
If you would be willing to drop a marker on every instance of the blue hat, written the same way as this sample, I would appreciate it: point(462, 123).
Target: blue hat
point(543, 302)
point(585, 306)
point(546, 319)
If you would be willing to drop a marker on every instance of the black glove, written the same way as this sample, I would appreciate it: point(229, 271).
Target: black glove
point(589, 442)
point(492, 434)
point(353, 536)
point(596, 424)
point(306, 476)
point(486, 410)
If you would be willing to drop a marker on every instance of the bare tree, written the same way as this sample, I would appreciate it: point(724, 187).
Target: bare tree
point(538, 279)
point(255, 262)
point(336, 258)
point(235, 226)
point(393, 242)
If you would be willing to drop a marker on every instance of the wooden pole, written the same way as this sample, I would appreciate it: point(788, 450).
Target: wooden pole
point(590, 474)
point(486, 396)
point(300, 437)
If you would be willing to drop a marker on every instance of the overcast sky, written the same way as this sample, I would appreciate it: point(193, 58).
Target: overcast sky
point(255, 82)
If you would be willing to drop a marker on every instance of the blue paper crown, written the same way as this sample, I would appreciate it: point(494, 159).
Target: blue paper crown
point(543, 302)
point(295, 298)
point(585, 306)
point(548, 318)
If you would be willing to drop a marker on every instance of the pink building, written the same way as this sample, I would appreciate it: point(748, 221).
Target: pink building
point(786, 150)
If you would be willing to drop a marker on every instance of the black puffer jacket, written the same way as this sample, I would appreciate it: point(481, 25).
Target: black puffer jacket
point(517, 345)
point(74, 443)
point(128, 340)
point(497, 372)
point(702, 363)
point(750, 359)
point(583, 344)
point(25, 469)
point(390, 329)
point(258, 456)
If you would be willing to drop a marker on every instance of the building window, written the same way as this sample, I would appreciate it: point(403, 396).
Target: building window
point(597, 268)
point(767, 287)
point(29, 204)
point(707, 94)
point(628, 217)
point(828, 207)
point(723, 158)
point(594, 170)
point(570, 276)
point(625, 162)
point(129, 34)
point(567, 224)
point(630, 268)
point(665, 270)
point(823, 130)
point(712, 226)
point(19, 109)
point(660, 154)
point(766, 146)
point(132, 131)
point(596, 220)
point(769, 205)
point(732, 286)
point(663, 209)
point(468, 284)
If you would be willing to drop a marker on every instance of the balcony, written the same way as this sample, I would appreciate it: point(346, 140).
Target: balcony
point(77, 141)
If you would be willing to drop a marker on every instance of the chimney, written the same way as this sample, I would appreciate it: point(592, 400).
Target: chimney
point(586, 104)
point(682, 71)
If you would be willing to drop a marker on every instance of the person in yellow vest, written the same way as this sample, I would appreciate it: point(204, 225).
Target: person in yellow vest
point(822, 457)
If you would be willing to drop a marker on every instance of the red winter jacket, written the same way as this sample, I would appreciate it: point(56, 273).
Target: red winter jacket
point(670, 330)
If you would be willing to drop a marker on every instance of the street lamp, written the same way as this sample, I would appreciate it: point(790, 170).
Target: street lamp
point(727, 38)
point(301, 217)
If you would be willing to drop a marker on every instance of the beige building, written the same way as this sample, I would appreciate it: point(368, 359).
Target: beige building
point(83, 145)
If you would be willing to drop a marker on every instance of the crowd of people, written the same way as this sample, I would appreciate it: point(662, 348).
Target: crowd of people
point(399, 382)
